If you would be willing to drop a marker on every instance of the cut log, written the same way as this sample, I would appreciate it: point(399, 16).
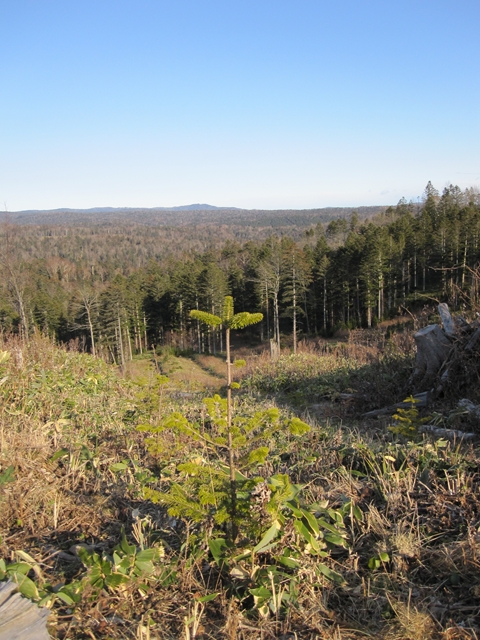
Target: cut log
point(472, 343)
point(421, 400)
point(433, 348)
point(20, 619)
point(449, 434)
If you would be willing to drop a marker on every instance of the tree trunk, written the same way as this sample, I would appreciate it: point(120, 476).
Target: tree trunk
point(294, 312)
point(231, 461)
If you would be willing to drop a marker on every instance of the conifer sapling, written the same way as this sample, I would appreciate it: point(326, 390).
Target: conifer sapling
point(229, 320)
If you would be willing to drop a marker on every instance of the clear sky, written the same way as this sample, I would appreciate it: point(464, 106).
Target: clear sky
point(247, 103)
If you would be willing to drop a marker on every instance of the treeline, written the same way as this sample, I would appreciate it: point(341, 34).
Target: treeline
point(347, 273)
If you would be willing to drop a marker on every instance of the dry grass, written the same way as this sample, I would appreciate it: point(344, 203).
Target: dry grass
point(419, 504)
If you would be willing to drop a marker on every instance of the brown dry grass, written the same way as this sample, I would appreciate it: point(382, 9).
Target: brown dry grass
point(422, 508)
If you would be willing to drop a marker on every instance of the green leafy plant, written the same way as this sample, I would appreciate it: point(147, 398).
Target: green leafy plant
point(299, 537)
point(126, 564)
point(377, 561)
point(38, 590)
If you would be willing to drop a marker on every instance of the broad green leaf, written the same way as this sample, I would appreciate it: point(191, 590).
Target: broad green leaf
point(217, 548)
point(114, 580)
point(128, 549)
point(19, 567)
point(145, 567)
point(118, 466)
point(331, 575)
point(209, 598)
point(298, 513)
point(306, 535)
point(125, 564)
point(106, 567)
point(329, 527)
point(8, 475)
point(46, 600)
point(59, 454)
point(65, 597)
point(261, 592)
point(268, 537)
point(289, 562)
point(311, 521)
point(335, 539)
point(26, 586)
point(146, 555)
point(357, 512)
point(96, 577)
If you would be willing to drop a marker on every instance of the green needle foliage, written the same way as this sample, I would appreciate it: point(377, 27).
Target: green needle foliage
point(407, 421)
point(229, 320)
point(217, 480)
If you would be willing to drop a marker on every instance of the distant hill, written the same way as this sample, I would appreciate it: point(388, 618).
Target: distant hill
point(185, 207)
point(192, 214)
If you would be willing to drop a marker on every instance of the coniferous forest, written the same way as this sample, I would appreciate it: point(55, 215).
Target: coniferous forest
point(120, 287)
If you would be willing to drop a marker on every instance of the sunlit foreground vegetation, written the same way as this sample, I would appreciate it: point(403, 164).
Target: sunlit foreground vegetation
point(116, 504)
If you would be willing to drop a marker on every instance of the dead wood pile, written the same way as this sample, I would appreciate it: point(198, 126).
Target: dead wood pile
point(447, 364)
point(444, 353)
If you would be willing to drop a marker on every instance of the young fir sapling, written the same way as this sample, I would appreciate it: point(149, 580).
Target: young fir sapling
point(229, 320)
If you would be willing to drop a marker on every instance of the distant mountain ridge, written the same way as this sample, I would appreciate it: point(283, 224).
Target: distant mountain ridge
point(185, 207)
point(275, 220)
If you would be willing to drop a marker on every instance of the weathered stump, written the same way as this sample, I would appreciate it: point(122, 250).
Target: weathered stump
point(20, 619)
point(433, 348)
point(447, 320)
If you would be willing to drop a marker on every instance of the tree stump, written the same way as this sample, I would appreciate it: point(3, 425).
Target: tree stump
point(20, 619)
point(433, 348)
point(447, 320)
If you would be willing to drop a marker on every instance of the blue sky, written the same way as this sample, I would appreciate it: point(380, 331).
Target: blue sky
point(248, 103)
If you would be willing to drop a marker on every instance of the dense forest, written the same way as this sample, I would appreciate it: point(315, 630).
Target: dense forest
point(121, 285)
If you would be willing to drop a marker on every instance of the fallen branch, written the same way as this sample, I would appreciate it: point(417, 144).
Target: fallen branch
point(421, 400)
point(449, 434)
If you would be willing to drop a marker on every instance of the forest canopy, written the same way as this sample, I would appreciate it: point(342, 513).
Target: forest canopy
point(119, 287)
